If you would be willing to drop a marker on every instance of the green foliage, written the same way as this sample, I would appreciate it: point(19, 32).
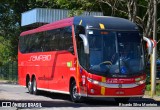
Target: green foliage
point(148, 87)
point(5, 50)
point(78, 6)
point(10, 20)
point(158, 87)
point(75, 12)
point(9, 32)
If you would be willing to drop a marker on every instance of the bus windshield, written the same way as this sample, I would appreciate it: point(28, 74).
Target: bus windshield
point(115, 53)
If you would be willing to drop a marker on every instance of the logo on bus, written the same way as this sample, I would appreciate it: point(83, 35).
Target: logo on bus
point(40, 58)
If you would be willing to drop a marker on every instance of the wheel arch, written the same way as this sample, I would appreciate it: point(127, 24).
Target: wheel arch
point(27, 80)
point(70, 82)
point(33, 76)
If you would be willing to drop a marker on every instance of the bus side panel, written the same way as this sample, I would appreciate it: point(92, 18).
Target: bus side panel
point(21, 70)
point(35, 65)
point(62, 69)
point(21, 76)
point(44, 65)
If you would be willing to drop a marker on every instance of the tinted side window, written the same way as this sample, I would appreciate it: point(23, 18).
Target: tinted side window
point(57, 39)
point(46, 41)
point(31, 44)
point(68, 38)
point(61, 39)
point(21, 44)
point(27, 43)
point(52, 40)
point(36, 42)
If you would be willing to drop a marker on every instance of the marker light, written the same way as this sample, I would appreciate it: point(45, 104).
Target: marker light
point(104, 32)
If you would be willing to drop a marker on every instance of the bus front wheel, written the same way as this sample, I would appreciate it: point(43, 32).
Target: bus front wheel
point(74, 94)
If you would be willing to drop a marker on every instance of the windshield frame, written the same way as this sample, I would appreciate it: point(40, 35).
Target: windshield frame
point(117, 51)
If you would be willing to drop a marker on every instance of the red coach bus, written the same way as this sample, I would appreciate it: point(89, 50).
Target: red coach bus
point(85, 57)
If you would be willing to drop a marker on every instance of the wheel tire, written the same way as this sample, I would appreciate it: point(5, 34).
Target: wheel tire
point(30, 87)
point(35, 91)
point(122, 100)
point(73, 93)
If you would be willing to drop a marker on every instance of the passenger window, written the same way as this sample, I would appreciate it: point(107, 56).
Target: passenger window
point(68, 38)
point(52, 40)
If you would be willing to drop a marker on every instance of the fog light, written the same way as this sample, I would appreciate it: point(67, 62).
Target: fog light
point(92, 91)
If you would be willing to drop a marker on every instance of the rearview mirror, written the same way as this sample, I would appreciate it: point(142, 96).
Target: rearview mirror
point(150, 45)
point(85, 43)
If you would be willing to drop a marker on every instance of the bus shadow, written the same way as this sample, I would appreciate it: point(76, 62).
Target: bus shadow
point(95, 102)
point(54, 95)
point(133, 102)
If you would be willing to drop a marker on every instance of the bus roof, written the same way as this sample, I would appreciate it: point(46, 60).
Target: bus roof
point(91, 22)
point(54, 25)
point(110, 23)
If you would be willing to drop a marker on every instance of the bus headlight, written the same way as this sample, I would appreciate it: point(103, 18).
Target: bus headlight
point(140, 82)
point(93, 81)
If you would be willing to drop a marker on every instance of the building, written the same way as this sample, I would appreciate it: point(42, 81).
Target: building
point(41, 16)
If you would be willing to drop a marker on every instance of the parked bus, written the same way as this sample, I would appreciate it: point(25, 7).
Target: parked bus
point(85, 57)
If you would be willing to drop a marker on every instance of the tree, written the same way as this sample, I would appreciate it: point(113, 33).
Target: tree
point(77, 7)
point(10, 20)
point(7, 32)
point(130, 8)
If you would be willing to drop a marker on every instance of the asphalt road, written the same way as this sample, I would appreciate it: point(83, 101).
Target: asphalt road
point(17, 96)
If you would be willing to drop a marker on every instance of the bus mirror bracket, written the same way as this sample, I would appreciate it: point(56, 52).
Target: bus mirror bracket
point(150, 45)
point(85, 43)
